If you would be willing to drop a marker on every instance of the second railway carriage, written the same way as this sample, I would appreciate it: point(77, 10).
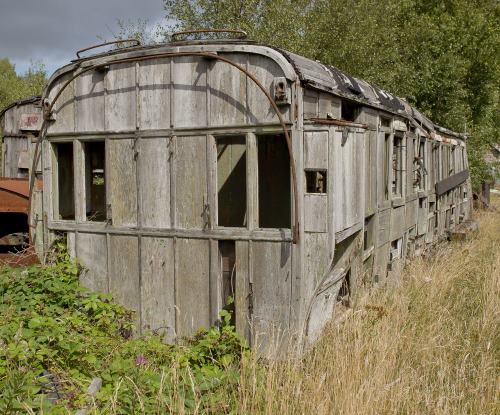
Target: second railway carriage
point(188, 174)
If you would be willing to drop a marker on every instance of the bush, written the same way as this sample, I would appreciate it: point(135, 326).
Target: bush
point(56, 336)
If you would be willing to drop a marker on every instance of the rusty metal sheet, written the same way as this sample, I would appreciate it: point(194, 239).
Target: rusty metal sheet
point(14, 195)
point(22, 258)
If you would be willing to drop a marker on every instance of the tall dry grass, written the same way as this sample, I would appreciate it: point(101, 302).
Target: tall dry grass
point(429, 346)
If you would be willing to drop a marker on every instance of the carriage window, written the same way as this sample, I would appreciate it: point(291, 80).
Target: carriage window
point(397, 166)
point(387, 144)
point(423, 172)
point(274, 181)
point(349, 110)
point(316, 181)
point(231, 181)
point(64, 203)
point(95, 188)
point(369, 231)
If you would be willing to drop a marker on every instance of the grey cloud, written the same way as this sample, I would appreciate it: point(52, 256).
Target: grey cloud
point(51, 31)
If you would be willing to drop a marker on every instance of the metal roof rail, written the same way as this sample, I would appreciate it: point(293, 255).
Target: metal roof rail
point(114, 42)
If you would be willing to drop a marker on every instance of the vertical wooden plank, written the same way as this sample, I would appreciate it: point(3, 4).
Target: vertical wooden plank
point(121, 170)
point(191, 182)
point(155, 183)
point(271, 263)
point(252, 182)
point(398, 223)
point(92, 254)
point(212, 193)
point(316, 150)
point(154, 94)
point(242, 312)
point(359, 189)
point(89, 101)
point(215, 281)
point(190, 88)
point(71, 243)
point(316, 260)
point(192, 285)
point(228, 92)
point(338, 182)
point(316, 212)
point(121, 98)
point(349, 183)
point(64, 111)
point(80, 197)
point(157, 286)
point(124, 272)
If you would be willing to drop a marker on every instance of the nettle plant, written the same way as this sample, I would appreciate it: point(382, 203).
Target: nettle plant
point(56, 336)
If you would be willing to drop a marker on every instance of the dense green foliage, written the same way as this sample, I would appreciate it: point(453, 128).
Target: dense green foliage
point(14, 87)
point(442, 56)
point(50, 323)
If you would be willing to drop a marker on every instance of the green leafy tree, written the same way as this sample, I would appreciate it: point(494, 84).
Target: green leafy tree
point(442, 56)
point(14, 87)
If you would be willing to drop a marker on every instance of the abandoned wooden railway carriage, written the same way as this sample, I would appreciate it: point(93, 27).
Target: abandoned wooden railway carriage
point(169, 171)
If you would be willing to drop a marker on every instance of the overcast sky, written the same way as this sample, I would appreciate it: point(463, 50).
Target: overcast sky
point(50, 31)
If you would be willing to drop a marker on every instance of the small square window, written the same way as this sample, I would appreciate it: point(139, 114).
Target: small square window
point(316, 181)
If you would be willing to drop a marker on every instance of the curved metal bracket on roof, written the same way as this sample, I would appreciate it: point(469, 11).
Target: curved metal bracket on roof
point(114, 42)
point(241, 33)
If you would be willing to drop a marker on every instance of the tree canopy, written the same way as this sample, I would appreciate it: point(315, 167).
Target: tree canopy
point(441, 56)
point(14, 87)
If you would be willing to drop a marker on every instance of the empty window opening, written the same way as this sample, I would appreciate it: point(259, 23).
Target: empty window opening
point(385, 122)
point(274, 182)
point(227, 281)
point(421, 166)
point(231, 181)
point(387, 145)
point(368, 241)
point(316, 181)
point(396, 249)
point(397, 166)
point(343, 297)
point(13, 231)
point(421, 203)
point(95, 176)
point(65, 189)
point(349, 110)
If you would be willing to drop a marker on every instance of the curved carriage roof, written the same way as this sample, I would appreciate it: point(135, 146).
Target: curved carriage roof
point(332, 79)
point(317, 75)
point(25, 101)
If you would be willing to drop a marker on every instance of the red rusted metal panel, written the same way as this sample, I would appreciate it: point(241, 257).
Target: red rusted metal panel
point(14, 195)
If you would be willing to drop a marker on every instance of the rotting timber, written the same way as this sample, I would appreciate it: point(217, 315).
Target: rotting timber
point(190, 173)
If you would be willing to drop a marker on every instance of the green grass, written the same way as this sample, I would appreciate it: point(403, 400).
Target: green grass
point(431, 345)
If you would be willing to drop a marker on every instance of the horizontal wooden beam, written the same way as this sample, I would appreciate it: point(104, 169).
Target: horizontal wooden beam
point(451, 182)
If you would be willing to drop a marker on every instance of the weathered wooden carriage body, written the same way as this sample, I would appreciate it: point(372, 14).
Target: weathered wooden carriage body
point(19, 125)
point(168, 169)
